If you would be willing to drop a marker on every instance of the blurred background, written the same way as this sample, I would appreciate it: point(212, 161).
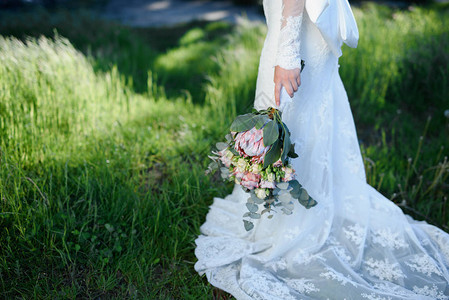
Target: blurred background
point(109, 108)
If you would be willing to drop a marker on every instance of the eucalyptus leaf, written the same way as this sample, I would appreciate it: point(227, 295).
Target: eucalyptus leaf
point(270, 133)
point(296, 188)
point(254, 215)
point(282, 185)
point(285, 198)
point(221, 146)
point(272, 154)
point(213, 166)
point(252, 207)
point(244, 122)
point(258, 200)
point(304, 195)
point(246, 214)
point(228, 138)
point(266, 210)
point(270, 216)
point(310, 202)
point(286, 211)
point(248, 225)
point(289, 205)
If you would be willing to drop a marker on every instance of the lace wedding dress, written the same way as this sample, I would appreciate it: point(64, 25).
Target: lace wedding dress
point(355, 244)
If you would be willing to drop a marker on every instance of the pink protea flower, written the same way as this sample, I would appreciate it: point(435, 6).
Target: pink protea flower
point(250, 180)
point(250, 143)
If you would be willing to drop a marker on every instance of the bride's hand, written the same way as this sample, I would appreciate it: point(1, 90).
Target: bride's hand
point(289, 79)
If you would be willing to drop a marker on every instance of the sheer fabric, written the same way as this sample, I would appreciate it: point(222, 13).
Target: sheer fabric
point(289, 43)
point(355, 244)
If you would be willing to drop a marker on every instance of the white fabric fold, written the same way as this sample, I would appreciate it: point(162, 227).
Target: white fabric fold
point(336, 22)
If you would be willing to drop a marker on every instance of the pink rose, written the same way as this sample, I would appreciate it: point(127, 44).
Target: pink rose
point(237, 173)
point(226, 157)
point(267, 184)
point(289, 174)
point(250, 180)
point(278, 163)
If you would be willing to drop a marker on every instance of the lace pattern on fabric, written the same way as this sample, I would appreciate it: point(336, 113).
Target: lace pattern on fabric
point(288, 56)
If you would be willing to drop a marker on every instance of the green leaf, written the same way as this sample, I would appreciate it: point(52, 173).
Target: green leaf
point(248, 225)
point(261, 120)
point(257, 200)
point(244, 122)
point(282, 185)
point(286, 211)
point(254, 215)
point(266, 210)
point(221, 146)
point(305, 200)
point(296, 188)
point(272, 154)
point(291, 152)
point(246, 214)
point(304, 195)
point(270, 133)
point(308, 203)
point(286, 147)
point(286, 128)
point(252, 207)
point(288, 205)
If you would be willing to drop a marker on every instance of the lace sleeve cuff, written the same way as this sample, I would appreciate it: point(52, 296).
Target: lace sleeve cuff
point(289, 44)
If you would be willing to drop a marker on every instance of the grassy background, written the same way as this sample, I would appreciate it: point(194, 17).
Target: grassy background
point(105, 132)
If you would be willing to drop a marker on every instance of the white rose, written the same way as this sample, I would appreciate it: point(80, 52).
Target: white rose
point(256, 168)
point(241, 165)
point(229, 154)
point(260, 193)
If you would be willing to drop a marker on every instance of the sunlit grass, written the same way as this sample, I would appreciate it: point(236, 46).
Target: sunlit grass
point(104, 139)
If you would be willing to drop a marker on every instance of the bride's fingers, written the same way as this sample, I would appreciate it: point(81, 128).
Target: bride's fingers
point(277, 93)
point(289, 89)
point(298, 80)
point(294, 84)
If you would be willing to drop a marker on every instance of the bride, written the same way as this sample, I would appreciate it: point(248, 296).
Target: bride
point(355, 244)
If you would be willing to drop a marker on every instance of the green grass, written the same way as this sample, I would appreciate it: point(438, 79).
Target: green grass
point(104, 137)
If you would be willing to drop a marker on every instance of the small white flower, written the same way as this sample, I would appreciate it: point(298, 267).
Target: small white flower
point(256, 168)
point(271, 177)
point(241, 165)
point(260, 193)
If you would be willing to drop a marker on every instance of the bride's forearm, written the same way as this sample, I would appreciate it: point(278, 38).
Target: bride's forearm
point(288, 61)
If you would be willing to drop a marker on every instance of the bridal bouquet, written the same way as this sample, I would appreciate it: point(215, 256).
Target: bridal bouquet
point(256, 155)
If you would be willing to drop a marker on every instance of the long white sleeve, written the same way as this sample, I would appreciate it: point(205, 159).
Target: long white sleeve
point(288, 54)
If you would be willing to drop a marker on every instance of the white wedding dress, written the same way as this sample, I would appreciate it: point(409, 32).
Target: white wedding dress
point(355, 244)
